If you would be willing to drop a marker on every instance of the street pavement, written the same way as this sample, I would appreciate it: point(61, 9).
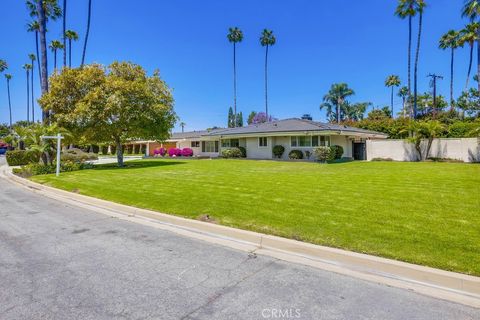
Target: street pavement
point(58, 261)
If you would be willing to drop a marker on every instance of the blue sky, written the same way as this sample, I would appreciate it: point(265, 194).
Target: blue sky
point(318, 43)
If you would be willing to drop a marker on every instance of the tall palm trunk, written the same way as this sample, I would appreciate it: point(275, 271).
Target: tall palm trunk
point(266, 81)
point(43, 48)
point(415, 72)
point(54, 60)
point(38, 57)
point(69, 53)
point(28, 96)
point(338, 110)
point(469, 73)
point(478, 58)
point(409, 76)
point(404, 107)
point(451, 79)
point(87, 33)
point(64, 28)
point(234, 86)
point(33, 97)
point(391, 102)
point(9, 102)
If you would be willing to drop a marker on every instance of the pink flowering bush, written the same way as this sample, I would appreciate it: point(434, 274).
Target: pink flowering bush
point(187, 152)
point(156, 152)
point(163, 151)
point(175, 152)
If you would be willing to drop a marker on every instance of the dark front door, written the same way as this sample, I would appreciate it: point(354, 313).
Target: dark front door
point(359, 151)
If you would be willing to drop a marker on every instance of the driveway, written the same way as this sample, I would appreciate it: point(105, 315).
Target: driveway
point(61, 262)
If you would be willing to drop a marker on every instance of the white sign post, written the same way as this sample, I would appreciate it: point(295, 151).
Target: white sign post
point(59, 146)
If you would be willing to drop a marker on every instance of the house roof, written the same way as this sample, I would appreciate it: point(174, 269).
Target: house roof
point(293, 125)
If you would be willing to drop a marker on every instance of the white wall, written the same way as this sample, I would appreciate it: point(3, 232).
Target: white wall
point(196, 151)
point(465, 149)
point(256, 152)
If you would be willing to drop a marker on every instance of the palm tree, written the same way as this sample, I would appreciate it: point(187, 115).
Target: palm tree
point(471, 9)
point(403, 93)
point(54, 46)
point(64, 29)
point(32, 58)
point(406, 9)
point(469, 35)
point(9, 77)
point(3, 65)
point(450, 40)
point(89, 15)
point(419, 7)
point(27, 67)
point(183, 124)
point(267, 39)
point(235, 35)
point(391, 82)
point(34, 26)
point(335, 98)
point(70, 35)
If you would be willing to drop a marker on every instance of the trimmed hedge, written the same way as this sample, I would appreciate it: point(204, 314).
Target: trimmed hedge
point(21, 157)
point(278, 151)
point(77, 155)
point(231, 153)
point(325, 154)
point(337, 151)
point(243, 151)
point(295, 154)
point(35, 169)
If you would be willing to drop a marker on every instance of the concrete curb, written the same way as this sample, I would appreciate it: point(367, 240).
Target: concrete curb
point(437, 283)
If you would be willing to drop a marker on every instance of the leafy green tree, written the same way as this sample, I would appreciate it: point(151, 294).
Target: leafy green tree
point(469, 35)
point(116, 104)
point(55, 45)
point(391, 82)
point(239, 122)
point(32, 58)
point(251, 116)
point(450, 40)
point(469, 102)
point(235, 35)
point(354, 111)
point(379, 114)
point(231, 118)
point(422, 130)
point(27, 67)
point(471, 10)
point(8, 77)
point(403, 93)
point(334, 100)
point(267, 39)
point(89, 16)
point(71, 36)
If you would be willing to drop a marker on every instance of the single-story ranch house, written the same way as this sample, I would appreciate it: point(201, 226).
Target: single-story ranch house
point(259, 139)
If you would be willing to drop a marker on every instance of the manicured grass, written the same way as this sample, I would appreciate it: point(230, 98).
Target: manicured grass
point(424, 213)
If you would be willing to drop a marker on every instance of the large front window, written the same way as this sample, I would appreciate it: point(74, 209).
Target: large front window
point(230, 143)
point(309, 141)
point(209, 146)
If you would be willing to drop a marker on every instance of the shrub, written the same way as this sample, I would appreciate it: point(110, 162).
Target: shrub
point(337, 151)
point(231, 153)
point(174, 152)
point(324, 153)
point(278, 151)
point(34, 169)
point(382, 159)
point(77, 155)
point(104, 149)
point(95, 148)
point(187, 152)
point(243, 151)
point(295, 154)
point(163, 151)
point(21, 157)
point(156, 152)
point(113, 149)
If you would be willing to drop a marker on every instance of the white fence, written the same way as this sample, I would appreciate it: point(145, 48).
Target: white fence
point(465, 149)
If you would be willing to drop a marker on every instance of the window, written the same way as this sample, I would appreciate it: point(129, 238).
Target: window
point(230, 143)
point(309, 141)
point(209, 146)
point(263, 142)
point(195, 144)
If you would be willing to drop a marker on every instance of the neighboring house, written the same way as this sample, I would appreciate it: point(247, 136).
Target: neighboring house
point(259, 139)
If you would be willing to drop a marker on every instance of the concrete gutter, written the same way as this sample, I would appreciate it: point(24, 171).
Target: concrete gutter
point(437, 283)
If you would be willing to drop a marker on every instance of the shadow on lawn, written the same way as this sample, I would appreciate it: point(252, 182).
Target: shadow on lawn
point(136, 165)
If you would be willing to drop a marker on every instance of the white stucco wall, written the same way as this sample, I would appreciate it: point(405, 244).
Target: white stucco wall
point(256, 152)
point(465, 149)
point(196, 151)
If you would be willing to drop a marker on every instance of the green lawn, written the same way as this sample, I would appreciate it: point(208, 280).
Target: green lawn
point(425, 213)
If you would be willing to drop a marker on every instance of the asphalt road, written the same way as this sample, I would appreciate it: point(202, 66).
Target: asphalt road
point(62, 262)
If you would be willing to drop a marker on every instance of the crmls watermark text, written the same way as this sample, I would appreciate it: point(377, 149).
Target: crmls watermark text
point(274, 313)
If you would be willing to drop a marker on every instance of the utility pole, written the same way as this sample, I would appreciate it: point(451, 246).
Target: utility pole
point(433, 83)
